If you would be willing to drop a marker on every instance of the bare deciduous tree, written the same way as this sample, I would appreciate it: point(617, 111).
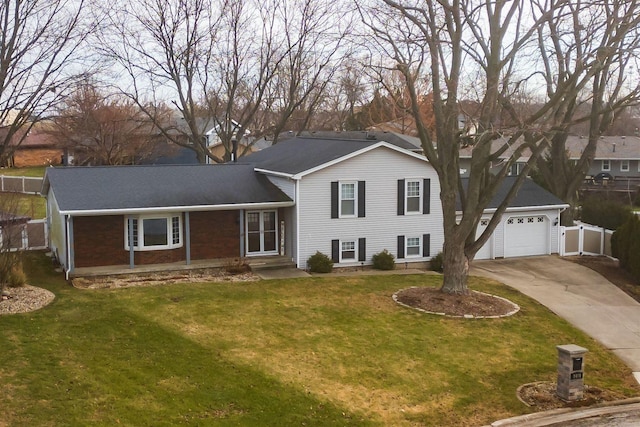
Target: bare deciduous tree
point(603, 27)
point(40, 44)
point(490, 49)
point(102, 130)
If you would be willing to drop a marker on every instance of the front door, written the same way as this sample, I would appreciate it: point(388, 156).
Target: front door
point(262, 233)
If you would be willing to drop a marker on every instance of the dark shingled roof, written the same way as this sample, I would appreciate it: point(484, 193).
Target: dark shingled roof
point(299, 154)
point(139, 187)
point(529, 195)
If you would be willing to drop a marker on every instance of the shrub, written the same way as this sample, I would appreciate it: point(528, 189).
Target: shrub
point(625, 245)
point(320, 263)
point(11, 272)
point(437, 263)
point(236, 266)
point(384, 261)
point(605, 213)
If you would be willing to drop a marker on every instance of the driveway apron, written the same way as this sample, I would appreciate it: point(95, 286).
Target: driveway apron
point(578, 294)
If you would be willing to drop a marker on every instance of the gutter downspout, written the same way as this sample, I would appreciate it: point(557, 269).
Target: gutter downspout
point(131, 247)
point(297, 202)
point(68, 234)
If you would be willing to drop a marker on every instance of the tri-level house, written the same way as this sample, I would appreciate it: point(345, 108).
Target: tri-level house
point(348, 196)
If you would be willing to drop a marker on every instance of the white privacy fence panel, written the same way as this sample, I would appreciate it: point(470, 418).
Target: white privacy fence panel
point(585, 239)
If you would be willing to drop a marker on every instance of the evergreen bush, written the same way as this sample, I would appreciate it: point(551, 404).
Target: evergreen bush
point(384, 260)
point(320, 263)
point(437, 263)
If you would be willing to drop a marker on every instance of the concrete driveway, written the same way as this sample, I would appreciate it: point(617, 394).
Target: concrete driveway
point(577, 294)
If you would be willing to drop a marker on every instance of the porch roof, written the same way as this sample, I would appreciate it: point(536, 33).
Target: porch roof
point(120, 189)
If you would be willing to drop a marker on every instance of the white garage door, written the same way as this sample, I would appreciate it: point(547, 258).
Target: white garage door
point(485, 250)
point(526, 235)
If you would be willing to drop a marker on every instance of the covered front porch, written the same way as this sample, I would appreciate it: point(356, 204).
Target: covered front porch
point(256, 263)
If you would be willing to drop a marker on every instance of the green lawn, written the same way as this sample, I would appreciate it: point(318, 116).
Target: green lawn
point(34, 172)
point(320, 351)
point(32, 205)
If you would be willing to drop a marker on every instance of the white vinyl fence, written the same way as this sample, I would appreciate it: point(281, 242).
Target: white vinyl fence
point(585, 239)
point(20, 184)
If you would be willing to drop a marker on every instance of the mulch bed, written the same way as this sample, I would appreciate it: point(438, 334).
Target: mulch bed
point(542, 396)
point(474, 304)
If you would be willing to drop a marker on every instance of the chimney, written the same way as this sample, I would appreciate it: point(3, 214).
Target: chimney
point(614, 147)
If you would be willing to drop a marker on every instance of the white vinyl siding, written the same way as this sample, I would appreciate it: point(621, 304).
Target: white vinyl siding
point(57, 242)
point(288, 186)
point(381, 169)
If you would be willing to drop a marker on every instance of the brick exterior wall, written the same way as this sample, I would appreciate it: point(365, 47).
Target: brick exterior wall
point(99, 240)
point(36, 157)
point(215, 234)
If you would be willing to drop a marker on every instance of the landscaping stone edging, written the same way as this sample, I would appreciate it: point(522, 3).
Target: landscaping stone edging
point(516, 307)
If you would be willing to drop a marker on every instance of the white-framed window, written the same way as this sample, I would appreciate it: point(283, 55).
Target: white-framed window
point(606, 165)
point(413, 247)
point(516, 169)
point(348, 251)
point(348, 196)
point(624, 165)
point(413, 196)
point(154, 232)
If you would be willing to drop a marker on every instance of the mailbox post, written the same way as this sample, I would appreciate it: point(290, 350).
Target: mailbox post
point(570, 372)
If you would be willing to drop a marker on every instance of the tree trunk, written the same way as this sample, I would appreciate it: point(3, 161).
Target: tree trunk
point(456, 267)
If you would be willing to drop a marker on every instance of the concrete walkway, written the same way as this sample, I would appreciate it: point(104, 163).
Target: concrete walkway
point(578, 294)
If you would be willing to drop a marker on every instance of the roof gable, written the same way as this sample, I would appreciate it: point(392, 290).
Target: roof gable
point(301, 156)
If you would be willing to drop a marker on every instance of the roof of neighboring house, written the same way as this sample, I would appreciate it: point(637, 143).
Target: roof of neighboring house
point(38, 139)
point(465, 152)
point(303, 153)
point(609, 147)
point(530, 194)
point(152, 188)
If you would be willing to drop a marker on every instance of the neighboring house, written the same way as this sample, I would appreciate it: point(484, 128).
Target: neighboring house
point(348, 198)
point(37, 149)
point(516, 168)
point(618, 156)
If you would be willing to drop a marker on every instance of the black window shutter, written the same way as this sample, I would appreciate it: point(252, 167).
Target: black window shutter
point(335, 251)
point(361, 199)
point(426, 245)
point(334, 199)
point(426, 197)
point(400, 247)
point(362, 249)
point(401, 197)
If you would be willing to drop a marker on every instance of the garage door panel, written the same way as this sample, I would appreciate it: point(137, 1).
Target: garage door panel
point(526, 236)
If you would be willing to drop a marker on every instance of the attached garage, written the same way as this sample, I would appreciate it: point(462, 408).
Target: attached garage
point(529, 226)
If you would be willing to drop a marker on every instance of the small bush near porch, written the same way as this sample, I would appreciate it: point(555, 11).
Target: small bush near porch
point(316, 351)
